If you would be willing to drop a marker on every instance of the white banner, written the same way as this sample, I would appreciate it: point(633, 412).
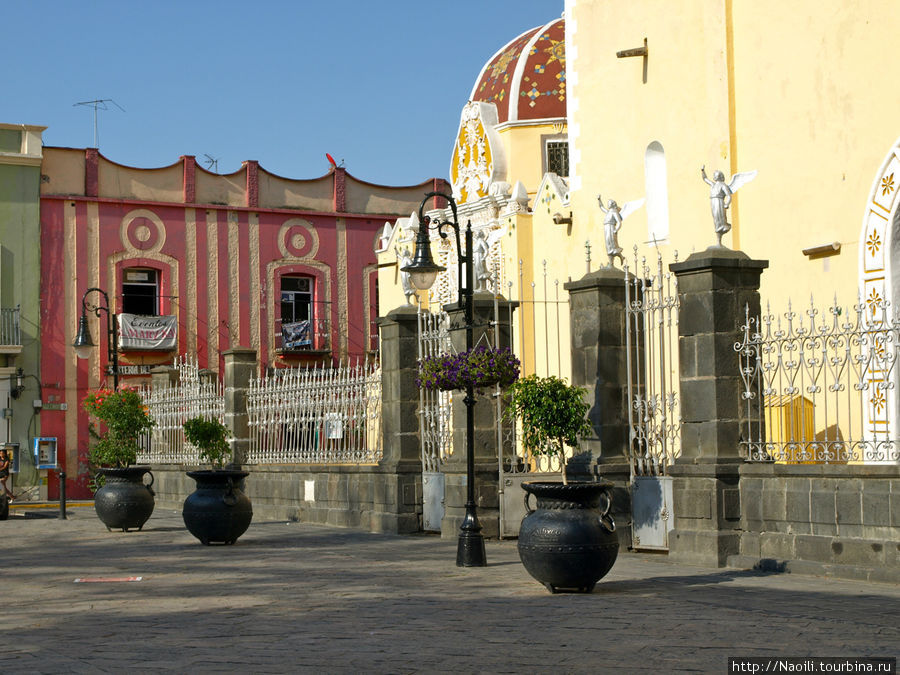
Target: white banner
point(145, 333)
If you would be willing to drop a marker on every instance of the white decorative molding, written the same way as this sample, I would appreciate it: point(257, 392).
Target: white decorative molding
point(478, 157)
point(879, 281)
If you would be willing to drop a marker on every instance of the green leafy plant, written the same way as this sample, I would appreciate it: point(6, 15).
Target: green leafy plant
point(553, 415)
point(480, 366)
point(210, 437)
point(122, 418)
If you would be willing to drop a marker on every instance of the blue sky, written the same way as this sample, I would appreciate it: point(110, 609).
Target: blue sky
point(379, 85)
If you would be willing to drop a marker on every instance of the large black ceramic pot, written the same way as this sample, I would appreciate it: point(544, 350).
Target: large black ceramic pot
point(124, 502)
point(218, 511)
point(568, 542)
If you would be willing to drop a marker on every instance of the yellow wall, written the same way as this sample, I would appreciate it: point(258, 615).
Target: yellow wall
point(801, 91)
point(524, 152)
point(817, 102)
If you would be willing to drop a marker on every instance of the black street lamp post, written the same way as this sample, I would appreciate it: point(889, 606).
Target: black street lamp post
point(422, 272)
point(84, 345)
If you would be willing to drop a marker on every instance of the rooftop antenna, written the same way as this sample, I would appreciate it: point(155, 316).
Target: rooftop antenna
point(212, 163)
point(100, 104)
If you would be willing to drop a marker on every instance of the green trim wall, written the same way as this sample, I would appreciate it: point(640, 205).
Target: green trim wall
point(20, 258)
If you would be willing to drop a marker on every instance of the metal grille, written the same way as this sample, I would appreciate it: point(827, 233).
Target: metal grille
point(9, 326)
point(316, 416)
point(540, 328)
point(171, 406)
point(435, 410)
point(558, 157)
point(654, 417)
point(820, 388)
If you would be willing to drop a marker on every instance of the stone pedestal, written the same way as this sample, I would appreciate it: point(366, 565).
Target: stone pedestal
point(486, 417)
point(398, 484)
point(400, 394)
point(240, 367)
point(597, 322)
point(714, 286)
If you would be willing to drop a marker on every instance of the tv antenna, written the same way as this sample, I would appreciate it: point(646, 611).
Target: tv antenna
point(98, 104)
point(212, 163)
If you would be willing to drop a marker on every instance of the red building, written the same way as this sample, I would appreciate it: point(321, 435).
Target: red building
point(199, 263)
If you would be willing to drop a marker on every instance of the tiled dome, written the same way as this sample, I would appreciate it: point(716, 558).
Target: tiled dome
point(526, 79)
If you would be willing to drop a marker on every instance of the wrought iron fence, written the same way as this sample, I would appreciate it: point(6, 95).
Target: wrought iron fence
point(435, 409)
point(654, 416)
point(171, 406)
point(820, 388)
point(540, 327)
point(316, 416)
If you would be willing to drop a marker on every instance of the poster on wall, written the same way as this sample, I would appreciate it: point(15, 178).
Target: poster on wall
point(295, 335)
point(147, 333)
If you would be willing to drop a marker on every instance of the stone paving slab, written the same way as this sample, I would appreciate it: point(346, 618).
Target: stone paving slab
point(293, 597)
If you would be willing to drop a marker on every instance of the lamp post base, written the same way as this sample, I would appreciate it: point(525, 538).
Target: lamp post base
point(470, 550)
point(470, 547)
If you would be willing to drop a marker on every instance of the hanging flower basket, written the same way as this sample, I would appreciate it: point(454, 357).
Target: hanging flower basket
point(480, 367)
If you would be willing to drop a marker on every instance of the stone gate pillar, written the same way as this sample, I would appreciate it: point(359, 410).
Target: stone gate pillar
point(397, 485)
point(399, 393)
point(598, 324)
point(163, 376)
point(714, 287)
point(486, 448)
point(240, 367)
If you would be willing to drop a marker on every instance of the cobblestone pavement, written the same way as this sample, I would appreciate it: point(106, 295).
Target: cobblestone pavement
point(291, 597)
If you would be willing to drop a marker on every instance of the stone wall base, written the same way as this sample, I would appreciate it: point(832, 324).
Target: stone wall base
point(371, 498)
point(487, 500)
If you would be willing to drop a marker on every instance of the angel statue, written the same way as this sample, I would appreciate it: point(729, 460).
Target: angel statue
point(404, 258)
point(480, 250)
point(612, 223)
point(720, 196)
point(481, 247)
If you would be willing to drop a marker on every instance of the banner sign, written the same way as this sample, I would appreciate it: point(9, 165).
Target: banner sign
point(146, 333)
point(295, 335)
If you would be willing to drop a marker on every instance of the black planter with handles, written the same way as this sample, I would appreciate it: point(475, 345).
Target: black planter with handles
point(568, 542)
point(218, 511)
point(124, 502)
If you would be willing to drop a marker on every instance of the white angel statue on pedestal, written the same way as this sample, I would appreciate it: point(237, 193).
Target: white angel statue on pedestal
point(612, 223)
point(720, 196)
point(481, 247)
point(404, 258)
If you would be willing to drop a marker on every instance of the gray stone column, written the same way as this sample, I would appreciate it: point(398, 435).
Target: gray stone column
point(598, 324)
point(397, 488)
point(240, 367)
point(599, 360)
point(399, 393)
point(163, 376)
point(714, 287)
point(486, 422)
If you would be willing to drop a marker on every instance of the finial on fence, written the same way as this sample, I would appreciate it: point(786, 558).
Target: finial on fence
point(587, 251)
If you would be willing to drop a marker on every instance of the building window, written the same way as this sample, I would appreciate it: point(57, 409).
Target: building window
point(558, 157)
point(296, 312)
point(140, 291)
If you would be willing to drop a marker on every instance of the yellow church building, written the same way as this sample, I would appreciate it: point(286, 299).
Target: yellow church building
point(643, 100)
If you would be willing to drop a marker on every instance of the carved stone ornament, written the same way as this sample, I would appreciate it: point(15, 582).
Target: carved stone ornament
point(477, 156)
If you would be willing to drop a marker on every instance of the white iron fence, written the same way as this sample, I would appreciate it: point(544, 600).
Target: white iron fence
point(435, 410)
point(654, 417)
point(820, 388)
point(171, 406)
point(316, 416)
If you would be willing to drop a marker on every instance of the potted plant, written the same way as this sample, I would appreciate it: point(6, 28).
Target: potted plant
point(218, 511)
point(117, 419)
point(568, 541)
point(480, 366)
